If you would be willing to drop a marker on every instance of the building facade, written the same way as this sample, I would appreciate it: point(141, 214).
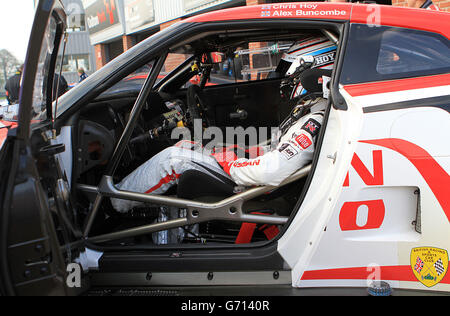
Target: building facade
point(117, 25)
point(444, 5)
point(79, 52)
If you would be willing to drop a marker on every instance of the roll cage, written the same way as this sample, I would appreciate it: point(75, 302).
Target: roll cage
point(229, 209)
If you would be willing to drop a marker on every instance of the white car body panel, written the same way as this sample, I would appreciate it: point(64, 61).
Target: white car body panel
point(351, 252)
point(298, 244)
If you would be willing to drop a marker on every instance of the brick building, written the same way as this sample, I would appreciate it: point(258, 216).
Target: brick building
point(117, 25)
point(444, 5)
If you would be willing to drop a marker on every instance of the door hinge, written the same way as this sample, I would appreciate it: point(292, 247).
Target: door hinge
point(333, 157)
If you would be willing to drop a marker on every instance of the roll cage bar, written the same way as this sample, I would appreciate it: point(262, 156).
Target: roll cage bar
point(229, 209)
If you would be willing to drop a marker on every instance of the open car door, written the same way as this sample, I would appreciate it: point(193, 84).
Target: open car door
point(301, 240)
point(31, 262)
point(343, 126)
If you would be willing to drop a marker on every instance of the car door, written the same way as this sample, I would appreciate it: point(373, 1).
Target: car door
point(343, 125)
point(31, 260)
point(396, 188)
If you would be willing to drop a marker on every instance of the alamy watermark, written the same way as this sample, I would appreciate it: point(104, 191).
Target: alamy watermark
point(210, 138)
point(374, 270)
point(73, 278)
point(74, 13)
point(374, 17)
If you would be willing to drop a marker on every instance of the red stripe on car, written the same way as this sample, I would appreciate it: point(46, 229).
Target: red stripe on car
point(356, 90)
point(393, 273)
point(435, 176)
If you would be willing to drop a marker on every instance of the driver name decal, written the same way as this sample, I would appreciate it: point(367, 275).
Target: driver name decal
point(298, 10)
point(325, 59)
point(339, 11)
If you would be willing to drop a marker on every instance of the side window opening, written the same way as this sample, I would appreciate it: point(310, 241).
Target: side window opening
point(404, 52)
point(250, 62)
point(134, 81)
point(387, 53)
point(131, 83)
point(173, 60)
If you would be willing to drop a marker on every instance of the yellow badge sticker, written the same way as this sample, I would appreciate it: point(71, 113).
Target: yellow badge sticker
point(429, 264)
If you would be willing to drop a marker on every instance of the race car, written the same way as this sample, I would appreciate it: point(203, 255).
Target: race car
point(370, 212)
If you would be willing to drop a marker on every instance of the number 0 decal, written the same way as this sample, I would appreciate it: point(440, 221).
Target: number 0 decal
point(348, 218)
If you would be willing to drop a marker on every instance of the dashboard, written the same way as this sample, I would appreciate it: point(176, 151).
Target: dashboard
point(100, 125)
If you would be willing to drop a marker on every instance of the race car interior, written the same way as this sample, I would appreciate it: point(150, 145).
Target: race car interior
point(228, 79)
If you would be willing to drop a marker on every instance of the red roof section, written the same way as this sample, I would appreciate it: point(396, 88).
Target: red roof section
point(427, 20)
point(419, 19)
point(308, 10)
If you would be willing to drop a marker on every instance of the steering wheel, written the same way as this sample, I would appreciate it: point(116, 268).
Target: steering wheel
point(198, 108)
